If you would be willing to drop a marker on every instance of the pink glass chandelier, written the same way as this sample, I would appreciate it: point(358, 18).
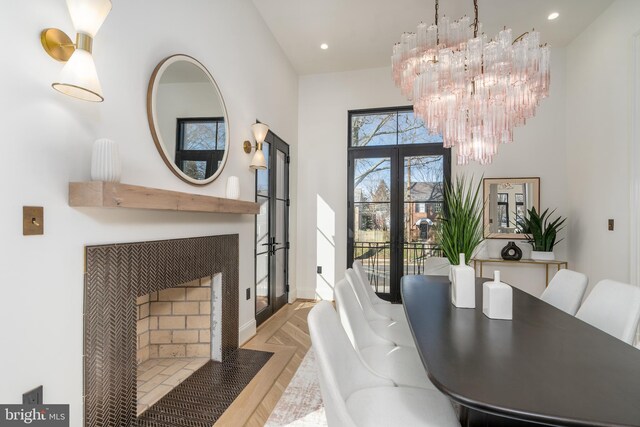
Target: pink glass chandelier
point(469, 89)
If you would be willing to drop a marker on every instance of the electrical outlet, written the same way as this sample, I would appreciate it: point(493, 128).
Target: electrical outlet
point(248, 293)
point(33, 397)
point(319, 269)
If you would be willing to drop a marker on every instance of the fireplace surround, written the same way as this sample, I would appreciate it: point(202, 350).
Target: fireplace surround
point(115, 276)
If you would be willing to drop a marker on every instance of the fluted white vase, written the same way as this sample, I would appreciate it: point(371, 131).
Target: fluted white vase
point(105, 161)
point(233, 188)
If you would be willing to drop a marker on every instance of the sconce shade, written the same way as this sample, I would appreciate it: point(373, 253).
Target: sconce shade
point(79, 78)
point(258, 161)
point(260, 131)
point(88, 15)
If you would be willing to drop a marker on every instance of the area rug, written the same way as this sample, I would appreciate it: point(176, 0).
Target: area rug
point(301, 403)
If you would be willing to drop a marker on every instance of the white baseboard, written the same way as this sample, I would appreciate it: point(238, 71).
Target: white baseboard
point(293, 295)
point(247, 331)
point(303, 293)
point(311, 294)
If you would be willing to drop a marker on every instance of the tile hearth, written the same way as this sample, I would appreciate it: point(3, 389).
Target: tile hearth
point(204, 396)
point(157, 377)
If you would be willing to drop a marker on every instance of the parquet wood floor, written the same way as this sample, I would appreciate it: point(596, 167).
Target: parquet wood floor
point(286, 334)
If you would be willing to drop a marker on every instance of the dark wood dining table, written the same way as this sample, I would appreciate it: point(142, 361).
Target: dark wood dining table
point(543, 367)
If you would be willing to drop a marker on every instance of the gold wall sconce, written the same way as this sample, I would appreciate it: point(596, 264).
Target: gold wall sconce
point(260, 131)
point(78, 77)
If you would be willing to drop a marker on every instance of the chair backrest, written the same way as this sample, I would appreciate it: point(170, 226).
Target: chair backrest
point(613, 307)
point(340, 371)
point(362, 275)
point(353, 321)
point(565, 291)
point(363, 298)
point(436, 266)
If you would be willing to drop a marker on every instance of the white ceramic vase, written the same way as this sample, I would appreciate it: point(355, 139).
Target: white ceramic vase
point(497, 299)
point(542, 256)
point(105, 161)
point(233, 188)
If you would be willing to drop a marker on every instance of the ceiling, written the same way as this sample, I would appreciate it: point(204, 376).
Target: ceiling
point(361, 33)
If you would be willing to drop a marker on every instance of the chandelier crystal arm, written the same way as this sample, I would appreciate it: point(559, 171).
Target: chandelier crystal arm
point(475, 21)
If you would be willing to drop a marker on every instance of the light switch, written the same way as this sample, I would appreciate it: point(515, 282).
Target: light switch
point(32, 220)
point(611, 224)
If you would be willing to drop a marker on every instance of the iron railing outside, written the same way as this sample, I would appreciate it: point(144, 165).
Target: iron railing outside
point(375, 257)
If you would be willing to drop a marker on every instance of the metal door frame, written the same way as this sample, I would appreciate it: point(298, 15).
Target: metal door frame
point(275, 302)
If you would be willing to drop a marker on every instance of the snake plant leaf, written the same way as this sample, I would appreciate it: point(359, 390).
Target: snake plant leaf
point(460, 229)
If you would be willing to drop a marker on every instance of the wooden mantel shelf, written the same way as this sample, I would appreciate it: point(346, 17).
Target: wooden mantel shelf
point(101, 194)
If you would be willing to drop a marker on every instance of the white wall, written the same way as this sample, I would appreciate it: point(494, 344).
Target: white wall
point(599, 122)
point(324, 101)
point(47, 140)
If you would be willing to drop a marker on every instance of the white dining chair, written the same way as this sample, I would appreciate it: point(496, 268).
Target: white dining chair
point(399, 363)
point(613, 307)
point(394, 330)
point(565, 291)
point(355, 396)
point(436, 266)
point(362, 275)
point(362, 290)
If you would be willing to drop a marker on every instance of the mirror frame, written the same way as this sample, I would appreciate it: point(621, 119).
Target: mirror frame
point(486, 184)
point(152, 89)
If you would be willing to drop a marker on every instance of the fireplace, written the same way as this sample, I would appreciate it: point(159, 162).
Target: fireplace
point(172, 304)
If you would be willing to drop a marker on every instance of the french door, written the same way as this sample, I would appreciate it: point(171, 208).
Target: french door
point(272, 229)
point(396, 193)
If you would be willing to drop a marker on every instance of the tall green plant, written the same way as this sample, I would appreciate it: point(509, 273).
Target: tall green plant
point(460, 229)
point(541, 232)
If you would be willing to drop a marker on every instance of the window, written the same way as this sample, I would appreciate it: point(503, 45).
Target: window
point(397, 172)
point(520, 210)
point(398, 127)
point(503, 209)
point(200, 145)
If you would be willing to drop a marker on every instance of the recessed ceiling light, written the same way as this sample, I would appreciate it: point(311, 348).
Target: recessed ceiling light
point(324, 46)
point(553, 16)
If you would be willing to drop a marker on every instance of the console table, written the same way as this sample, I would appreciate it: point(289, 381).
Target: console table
point(558, 264)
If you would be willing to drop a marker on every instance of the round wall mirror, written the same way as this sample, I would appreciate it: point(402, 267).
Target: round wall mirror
point(188, 119)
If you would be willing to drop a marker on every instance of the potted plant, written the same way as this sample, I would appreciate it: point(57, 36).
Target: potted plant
point(541, 232)
point(460, 228)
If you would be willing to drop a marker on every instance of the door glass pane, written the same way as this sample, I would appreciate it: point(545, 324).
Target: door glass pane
point(262, 225)
point(372, 180)
point(374, 129)
point(262, 282)
point(262, 175)
point(280, 223)
point(423, 203)
point(281, 160)
point(372, 219)
point(280, 272)
point(281, 252)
